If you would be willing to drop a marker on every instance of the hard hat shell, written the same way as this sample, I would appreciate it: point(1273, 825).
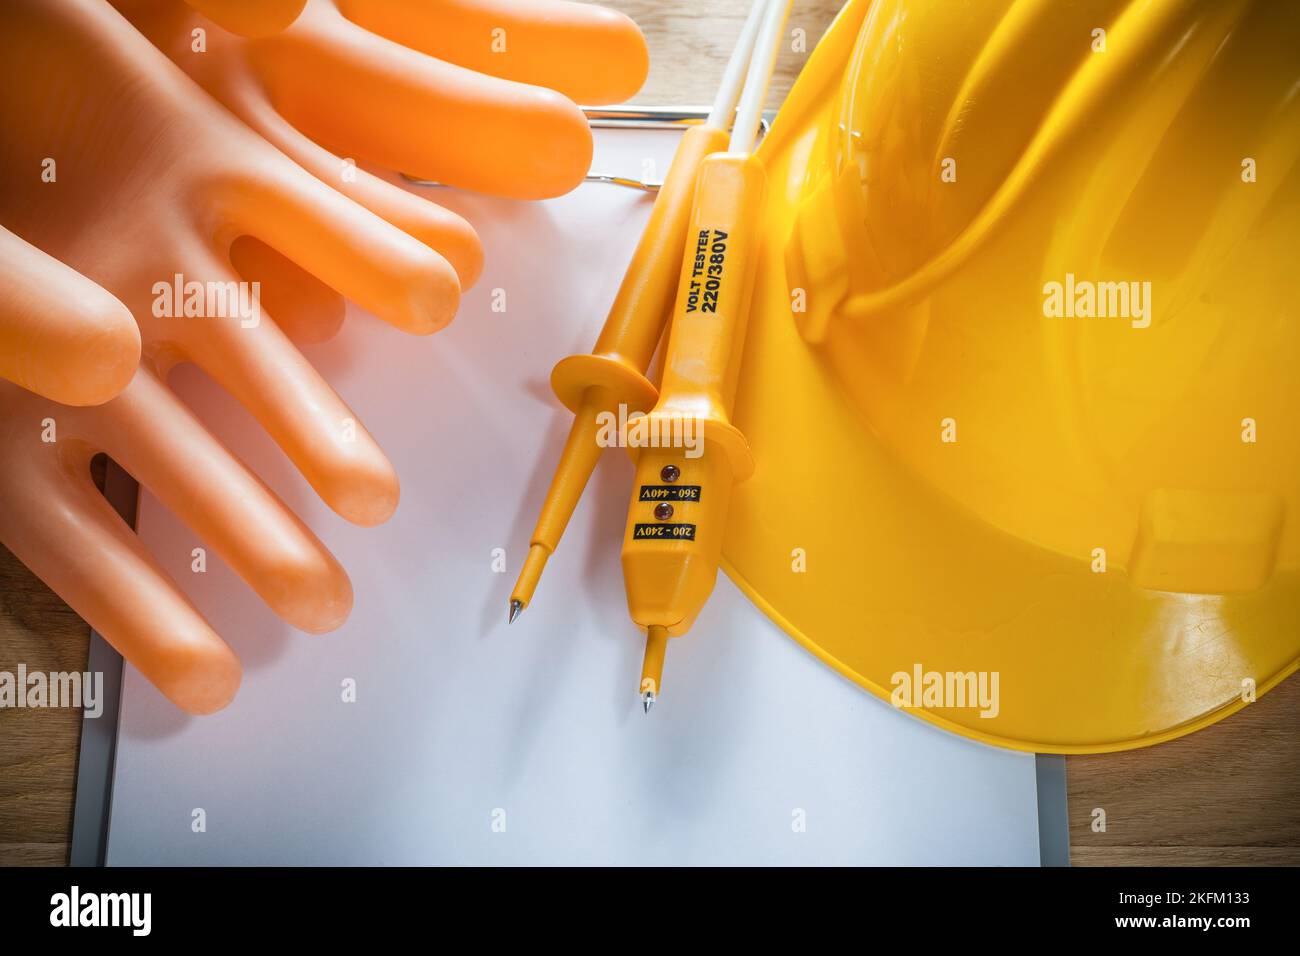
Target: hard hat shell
point(1021, 374)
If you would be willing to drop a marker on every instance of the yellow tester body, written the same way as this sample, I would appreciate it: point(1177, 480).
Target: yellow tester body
point(691, 454)
point(614, 373)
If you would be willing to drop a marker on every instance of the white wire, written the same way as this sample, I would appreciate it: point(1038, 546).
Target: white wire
point(761, 65)
point(724, 104)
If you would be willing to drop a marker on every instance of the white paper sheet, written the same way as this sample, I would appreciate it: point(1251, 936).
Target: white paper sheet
point(474, 743)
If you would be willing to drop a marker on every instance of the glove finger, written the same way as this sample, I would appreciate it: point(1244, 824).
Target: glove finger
point(151, 433)
point(61, 335)
point(57, 523)
point(589, 53)
point(248, 355)
point(353, 251)
point(440, 229)
point(364, 96)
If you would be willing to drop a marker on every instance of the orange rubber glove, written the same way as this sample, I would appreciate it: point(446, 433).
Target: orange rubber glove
point(61, 335)
point(152, 179)
point(473, 94)
point(119, 167)
point(56, 522)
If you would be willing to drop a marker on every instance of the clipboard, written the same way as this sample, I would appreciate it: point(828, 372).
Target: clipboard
point(470, 743)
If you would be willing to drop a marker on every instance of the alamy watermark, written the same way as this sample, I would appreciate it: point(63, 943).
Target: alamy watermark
point(639, 430)
point(208, 300)
point(1086, 299)
point(947, 689)
point(37, 689)
point(133, 911)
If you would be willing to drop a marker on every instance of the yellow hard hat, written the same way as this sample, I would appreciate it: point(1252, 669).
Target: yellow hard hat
point(1022, 381)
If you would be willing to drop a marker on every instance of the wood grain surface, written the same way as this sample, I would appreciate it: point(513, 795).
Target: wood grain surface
point(38, 748)
point(1228, 795)
point(690, 43)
